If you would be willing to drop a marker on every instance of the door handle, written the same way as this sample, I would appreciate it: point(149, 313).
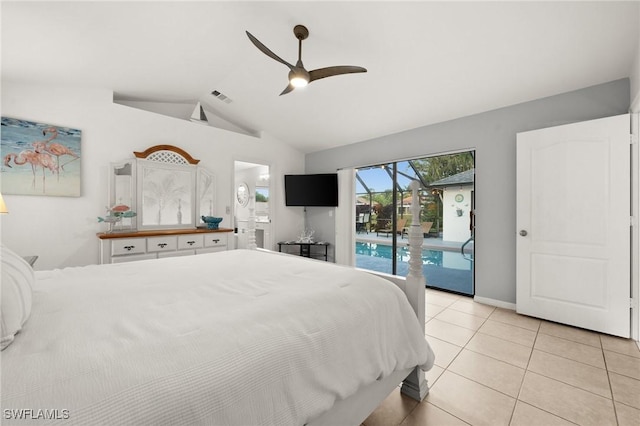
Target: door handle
point(523, 233)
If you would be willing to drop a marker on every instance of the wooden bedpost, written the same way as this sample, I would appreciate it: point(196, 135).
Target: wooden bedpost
point(251, 225)
point(415, 385)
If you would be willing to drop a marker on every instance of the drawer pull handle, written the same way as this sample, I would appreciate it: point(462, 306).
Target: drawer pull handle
point(191, 242)
point(129, 248)
point(216, 241)
point(162, 245)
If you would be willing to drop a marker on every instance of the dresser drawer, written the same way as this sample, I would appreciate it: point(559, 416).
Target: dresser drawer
point(160, 244)
point(128, 246)
point(190, 241)
point(215, 240)
point(210, 250)
point(132, 257)
point(176, 253)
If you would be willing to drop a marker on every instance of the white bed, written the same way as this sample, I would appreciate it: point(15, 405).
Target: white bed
point(243, 337)
point(240, 337)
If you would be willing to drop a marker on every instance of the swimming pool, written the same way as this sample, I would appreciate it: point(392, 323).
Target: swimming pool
point(449, 270)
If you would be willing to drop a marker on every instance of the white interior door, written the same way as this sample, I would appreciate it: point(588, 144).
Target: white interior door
point(573, 223)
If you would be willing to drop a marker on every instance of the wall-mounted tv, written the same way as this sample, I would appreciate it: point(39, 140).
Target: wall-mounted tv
point(314, 190)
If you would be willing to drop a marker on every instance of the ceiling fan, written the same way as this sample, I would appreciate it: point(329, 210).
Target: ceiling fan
point(298, 75)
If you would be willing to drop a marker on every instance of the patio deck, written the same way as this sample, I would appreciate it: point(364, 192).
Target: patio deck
point(433, 243)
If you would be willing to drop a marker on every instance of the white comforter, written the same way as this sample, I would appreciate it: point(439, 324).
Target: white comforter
point(233, 338)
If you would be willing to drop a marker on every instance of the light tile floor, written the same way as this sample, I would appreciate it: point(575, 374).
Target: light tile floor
point(495, 367)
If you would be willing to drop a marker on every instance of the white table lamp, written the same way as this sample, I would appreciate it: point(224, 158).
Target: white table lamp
point(3, 206)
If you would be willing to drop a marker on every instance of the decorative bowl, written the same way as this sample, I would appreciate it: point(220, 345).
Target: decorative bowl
point(211, 221)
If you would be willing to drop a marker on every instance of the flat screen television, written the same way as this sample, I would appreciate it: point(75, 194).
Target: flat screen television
point(314, 190)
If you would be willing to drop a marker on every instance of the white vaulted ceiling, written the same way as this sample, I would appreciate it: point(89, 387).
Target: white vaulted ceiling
point(427, 61)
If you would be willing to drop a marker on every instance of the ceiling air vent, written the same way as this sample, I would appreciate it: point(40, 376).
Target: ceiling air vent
point(221, 97)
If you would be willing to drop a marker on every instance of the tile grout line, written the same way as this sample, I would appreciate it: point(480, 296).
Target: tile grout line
point(526, 369)
point(613, 400)
point(446, 369)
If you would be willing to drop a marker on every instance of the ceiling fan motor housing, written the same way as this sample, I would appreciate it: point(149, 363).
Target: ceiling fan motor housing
point(301, 32)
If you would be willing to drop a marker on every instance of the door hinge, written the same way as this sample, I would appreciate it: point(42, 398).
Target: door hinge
point(633, 304)
point(633, 140)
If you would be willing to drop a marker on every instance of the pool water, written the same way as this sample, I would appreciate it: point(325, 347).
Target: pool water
point(449, 270)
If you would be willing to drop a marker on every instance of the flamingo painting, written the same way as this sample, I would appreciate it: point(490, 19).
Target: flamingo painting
point(22, 144)
point(55, 149)
point(35, 159)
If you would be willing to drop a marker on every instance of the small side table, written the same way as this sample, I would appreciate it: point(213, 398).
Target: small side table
point(305, 248)
point(30, 259)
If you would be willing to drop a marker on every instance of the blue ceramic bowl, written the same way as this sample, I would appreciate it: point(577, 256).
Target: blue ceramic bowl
point(211, 221)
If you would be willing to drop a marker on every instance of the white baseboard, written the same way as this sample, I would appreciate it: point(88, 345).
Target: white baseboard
point(494, 302)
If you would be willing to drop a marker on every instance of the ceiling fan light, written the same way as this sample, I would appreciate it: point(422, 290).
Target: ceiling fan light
point(299, 77)
point(298, 81)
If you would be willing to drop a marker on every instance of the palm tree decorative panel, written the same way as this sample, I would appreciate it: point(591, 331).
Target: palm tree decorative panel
point(166, 188)
point(167, 196)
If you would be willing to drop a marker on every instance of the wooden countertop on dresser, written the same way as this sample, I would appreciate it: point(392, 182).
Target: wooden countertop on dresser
point(159, 233)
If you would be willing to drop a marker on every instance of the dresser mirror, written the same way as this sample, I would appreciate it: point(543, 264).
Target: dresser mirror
point(122, 190)
point(166, 195)
point(165, 187)
point(206, 201)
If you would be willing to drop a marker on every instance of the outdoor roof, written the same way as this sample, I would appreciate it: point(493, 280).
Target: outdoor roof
point(463, 178)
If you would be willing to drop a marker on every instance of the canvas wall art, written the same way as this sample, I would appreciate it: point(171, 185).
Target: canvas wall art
point(39, 158)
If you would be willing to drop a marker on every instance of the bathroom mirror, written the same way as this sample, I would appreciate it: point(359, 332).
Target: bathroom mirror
point(242, 194)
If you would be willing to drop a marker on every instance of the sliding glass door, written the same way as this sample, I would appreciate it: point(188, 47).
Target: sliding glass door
point(383, 202)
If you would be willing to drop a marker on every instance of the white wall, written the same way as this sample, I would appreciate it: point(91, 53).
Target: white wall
point(635, 77)
point(454, 227)
point(61, 230)
point(492, 135)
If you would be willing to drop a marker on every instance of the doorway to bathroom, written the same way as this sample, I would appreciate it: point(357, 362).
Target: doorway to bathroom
point(251, 198)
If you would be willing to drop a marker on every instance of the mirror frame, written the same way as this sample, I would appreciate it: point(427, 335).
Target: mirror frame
point(201, 182)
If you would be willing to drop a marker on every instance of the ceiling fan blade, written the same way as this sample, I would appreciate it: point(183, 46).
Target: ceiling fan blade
point(264, 49)
point(331, 71)
point(288, 89)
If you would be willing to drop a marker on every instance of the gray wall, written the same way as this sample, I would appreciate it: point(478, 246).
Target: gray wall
point(493, 136)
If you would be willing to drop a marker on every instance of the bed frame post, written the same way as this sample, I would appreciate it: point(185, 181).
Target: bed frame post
point(251, 225)
point(415, 385)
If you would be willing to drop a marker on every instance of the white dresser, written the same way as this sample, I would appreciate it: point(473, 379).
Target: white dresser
point(127, 246)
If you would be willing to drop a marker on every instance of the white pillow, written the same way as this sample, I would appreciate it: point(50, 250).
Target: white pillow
point(17, 288)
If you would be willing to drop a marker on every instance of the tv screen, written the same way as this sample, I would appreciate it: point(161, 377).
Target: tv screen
point(317, 190)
